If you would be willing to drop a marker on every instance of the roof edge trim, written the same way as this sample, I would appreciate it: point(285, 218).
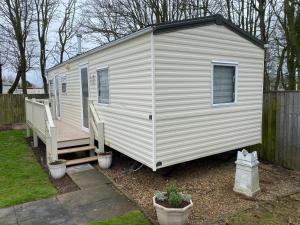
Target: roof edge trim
point(204, 21)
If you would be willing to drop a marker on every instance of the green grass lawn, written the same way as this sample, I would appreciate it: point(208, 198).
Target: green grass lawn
point(130, 218)
point(21, 177)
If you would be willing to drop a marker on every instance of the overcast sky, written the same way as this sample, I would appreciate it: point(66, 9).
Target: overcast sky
point(33, 76)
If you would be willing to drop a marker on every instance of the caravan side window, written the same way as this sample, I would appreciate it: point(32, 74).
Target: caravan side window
point(64, 84)
point(224, 83)
point(51, 88)
point(103, 86)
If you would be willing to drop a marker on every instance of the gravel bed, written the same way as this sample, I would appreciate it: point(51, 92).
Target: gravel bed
point(209, 180)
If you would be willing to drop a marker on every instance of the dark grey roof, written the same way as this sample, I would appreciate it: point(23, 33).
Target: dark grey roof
point(203, 21)
point(172, 26)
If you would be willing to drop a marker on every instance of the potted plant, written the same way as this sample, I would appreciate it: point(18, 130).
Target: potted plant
point(104, 159)
point(57, 168)
point(172, 208)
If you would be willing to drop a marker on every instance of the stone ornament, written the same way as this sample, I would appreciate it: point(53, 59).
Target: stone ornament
point(246, 176)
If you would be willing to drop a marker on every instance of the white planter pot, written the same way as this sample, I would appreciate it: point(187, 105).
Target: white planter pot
point(172, 216)
point(104, 160)
point(57, 169)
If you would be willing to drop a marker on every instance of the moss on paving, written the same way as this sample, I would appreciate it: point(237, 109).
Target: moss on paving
point(283, 211)
point(130, 218)
point(21, 177)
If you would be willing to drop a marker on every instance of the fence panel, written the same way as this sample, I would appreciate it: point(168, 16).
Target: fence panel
point(12, 107)
point(281, 129)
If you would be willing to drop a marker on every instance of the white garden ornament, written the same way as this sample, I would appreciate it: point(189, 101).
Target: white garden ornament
point(246, 176)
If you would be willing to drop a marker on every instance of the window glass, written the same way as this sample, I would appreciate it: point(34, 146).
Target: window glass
point(64, 84)
point(103, 86)
point(223, 84)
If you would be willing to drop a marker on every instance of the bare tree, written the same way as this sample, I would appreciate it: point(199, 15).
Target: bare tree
point(44, 13)
point(17, 16)
point(66, 29)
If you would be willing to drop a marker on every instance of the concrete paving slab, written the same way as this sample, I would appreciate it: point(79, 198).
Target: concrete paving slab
point(109, 208)
point(47, 211)
point(7, 216)
point(101, 210)
point(87, 196)
point(97, 200)
point(79, 168)
point(89, 179)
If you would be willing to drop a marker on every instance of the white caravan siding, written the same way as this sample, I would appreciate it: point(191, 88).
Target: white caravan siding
point(187, 125)
point(127, 127)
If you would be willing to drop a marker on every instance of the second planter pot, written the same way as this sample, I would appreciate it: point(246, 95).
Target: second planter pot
point(105, 159)
point(57, 168)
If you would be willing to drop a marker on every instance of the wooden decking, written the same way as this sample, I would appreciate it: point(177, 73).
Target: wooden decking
point(67, 132)
point(62, 140)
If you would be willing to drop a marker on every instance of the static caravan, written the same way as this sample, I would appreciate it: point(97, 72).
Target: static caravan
point(169, 93)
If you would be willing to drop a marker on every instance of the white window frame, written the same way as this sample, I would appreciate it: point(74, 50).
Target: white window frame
point(53, 87)
point(63, 79)
point(103, 67)
point(225, 63)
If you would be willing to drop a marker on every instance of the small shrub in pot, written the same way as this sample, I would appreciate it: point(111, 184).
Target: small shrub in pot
point(172, 208)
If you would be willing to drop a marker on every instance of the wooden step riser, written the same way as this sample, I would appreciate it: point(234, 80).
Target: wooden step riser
point(76, 149)
point(81, 160)
point(73, 143)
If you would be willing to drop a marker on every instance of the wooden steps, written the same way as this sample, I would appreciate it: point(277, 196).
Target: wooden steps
point(81, 160)
point(76, 149)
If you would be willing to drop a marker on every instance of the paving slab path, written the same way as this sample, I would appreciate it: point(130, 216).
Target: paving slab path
point(97, 199)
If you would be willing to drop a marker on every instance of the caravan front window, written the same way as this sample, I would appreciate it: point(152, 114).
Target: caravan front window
point(224, 83)
point(103, 86)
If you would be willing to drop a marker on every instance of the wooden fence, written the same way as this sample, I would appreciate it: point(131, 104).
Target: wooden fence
point(281, 129)
point(12, 107)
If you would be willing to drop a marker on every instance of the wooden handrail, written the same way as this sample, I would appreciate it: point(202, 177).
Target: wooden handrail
point(39, 118)
point(96, 127)
point(48, 114)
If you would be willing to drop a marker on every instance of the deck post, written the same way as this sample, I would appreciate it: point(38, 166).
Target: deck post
point(35, 139)
point(33, 111)
point(51, 139)
point(27, 131)
point(90, 116)
point(92, 134)
point(54, 153)
point(100, 128)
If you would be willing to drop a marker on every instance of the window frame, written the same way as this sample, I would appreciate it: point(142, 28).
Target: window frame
point(51, 89)
point(236, 75)
point(63, 80)
point(104, 67)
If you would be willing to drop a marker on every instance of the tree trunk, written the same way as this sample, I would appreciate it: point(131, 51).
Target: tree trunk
point(22, 68)
point(43, 66)
point(15, 83)
point(62, 50)
point(279, 69)
point(1, 83)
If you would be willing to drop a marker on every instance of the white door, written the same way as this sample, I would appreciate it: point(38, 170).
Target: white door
point(84, 97)
point(57, 96)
